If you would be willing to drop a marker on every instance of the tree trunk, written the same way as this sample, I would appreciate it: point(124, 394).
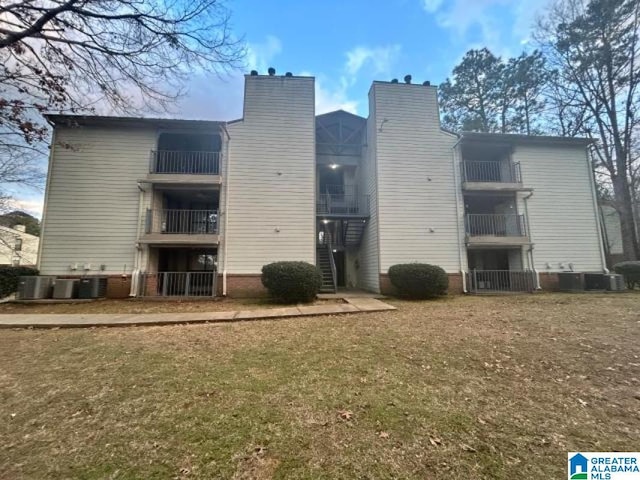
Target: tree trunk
point(627, 221)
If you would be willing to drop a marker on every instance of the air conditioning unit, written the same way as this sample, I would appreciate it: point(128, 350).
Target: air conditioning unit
point(65, 288)
point(614, 282)
point(93, 287)
point(571, 282)
point(595, 281)
point(34, 287)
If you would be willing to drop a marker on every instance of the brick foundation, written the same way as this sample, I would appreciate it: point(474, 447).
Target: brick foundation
point(549, 282)
point(119, 286)
point(243, 286)
point(455, 284)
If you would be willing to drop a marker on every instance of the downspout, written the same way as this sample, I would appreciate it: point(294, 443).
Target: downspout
point(137, 258)
point(594, 199)
point(457, 192)
point(530, 251)
point(226, 211)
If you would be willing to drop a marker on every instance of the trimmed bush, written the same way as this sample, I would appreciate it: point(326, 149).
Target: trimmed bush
point(419, 280)
point(9, 278)
point(630, 271)
point(291, 282)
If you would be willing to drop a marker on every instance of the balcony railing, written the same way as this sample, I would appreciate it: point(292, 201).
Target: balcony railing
point(498, 225)
point(178, 284)
point(336, 189)
point(192, 222)
point(328, 204)
point(491, 171)
point(181, 162)
point(487, 281)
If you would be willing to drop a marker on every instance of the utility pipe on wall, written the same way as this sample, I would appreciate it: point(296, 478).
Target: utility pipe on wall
point(530, 251)
point(137, 258)
point(457, 193)
point(225, 238)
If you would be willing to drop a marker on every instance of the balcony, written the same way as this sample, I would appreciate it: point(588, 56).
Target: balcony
point(495, 230)
point(341, 201)
point(494, 281)
point(181, 227)
point(178, 284)
point(491, 176)
point(184, 167)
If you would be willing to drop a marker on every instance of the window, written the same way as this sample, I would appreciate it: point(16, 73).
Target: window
point(18, 245)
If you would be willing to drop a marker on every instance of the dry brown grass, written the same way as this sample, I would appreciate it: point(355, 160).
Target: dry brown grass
point(467, 387)
point(134, 305)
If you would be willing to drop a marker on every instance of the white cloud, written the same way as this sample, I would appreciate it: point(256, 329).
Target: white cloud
point(431, 5)
point(260, 55)
point(32, 206)
point(219, 97)
point(328, 100)
point(381, 59)
point(489, 16)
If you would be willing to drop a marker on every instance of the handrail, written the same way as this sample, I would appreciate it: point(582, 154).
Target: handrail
point(491, 171)
point(495, 224)
point(198, 283)
point(342, 204)
point(501, 281)
point(179, 221)
point(185, 162)
point(332, 263)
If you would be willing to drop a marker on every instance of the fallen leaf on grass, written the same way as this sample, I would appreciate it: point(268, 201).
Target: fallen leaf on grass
point(467, 448)
point(435, 441)
point(383, 435)
point(345, 414)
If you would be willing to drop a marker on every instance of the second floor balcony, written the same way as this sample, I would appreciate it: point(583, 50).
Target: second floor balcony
point(181, 227)
point(491, 175)
point(496, 229)
point(177, 166)
point(341, 201)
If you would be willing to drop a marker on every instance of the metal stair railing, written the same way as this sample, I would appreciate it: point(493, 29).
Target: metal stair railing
point(332, 263)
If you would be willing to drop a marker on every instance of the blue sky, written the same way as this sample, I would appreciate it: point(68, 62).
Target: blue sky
point(349, 43)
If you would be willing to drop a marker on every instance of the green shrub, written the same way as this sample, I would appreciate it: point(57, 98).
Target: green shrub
point(630, 271)
point(419, 280)
point(292, 282)
point(9, 278)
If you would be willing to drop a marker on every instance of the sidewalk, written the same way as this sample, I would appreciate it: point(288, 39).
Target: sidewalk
point(352, 305)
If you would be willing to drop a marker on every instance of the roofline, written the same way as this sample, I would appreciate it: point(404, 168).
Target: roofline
point(103, 120)
point(341, 110)
point(4, 227)
point(518, 138)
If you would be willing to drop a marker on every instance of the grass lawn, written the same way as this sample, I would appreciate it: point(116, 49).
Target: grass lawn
point(463, 388)
point(134, 305)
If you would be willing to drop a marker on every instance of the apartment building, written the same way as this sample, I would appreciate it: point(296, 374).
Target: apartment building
point(17, 247)
point(181, 208)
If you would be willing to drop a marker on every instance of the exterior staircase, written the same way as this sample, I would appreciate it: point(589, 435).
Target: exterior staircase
point(353, 230)
point(324, 262)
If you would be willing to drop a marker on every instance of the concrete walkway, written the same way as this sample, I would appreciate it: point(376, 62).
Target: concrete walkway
point(43, 320)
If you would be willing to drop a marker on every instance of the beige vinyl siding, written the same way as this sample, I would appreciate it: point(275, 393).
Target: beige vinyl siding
point(271, 171)
point(416, 188)
point(91, 212)
point(562, 219)
point(369, 268)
